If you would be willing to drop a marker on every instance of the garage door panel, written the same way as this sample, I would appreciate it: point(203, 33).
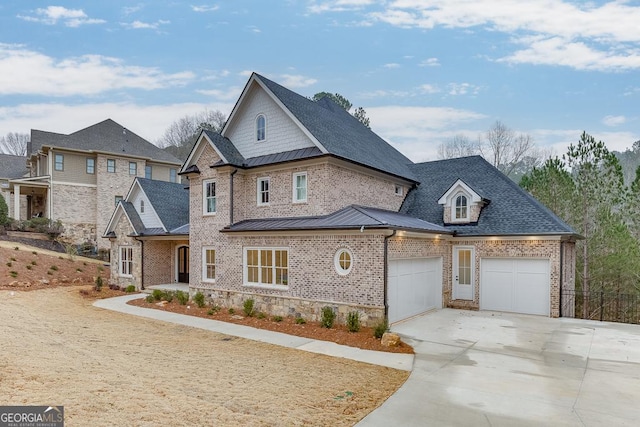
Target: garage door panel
point(414, 286)
point(515, 285)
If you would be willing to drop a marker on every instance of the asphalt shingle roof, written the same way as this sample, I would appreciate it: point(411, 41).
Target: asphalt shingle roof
point(511, 210)
point(12, 167)
point(342, 134)
point(351, 217)
point(170, 200)
point(106, 136)
point(226, 148)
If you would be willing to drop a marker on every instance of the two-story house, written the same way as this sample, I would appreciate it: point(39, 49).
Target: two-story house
point(13, 167)
point(79, 178)
point(298, 206)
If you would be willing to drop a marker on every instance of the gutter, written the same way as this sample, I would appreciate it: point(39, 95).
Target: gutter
point(231, 196)
point(561, 277)
point(141, 262)
point(386, 274)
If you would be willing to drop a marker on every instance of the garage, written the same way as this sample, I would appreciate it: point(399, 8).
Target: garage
point(414, 286)
point(516, 285)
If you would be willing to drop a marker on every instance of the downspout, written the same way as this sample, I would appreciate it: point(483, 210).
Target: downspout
point(141, 263)
point(561, 276)
point(231, 196)
point(386, 273)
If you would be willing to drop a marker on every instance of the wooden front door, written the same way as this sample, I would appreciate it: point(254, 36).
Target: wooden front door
point(183, 264)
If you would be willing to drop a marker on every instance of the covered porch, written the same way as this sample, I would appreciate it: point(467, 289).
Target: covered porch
point(36, 190)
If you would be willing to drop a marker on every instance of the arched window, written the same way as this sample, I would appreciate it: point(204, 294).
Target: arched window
point(261, 128)
point(462, 207)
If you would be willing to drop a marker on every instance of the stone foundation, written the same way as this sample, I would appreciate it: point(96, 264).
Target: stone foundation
point(287, 306)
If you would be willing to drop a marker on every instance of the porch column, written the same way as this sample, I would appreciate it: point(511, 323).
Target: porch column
point(16, 202)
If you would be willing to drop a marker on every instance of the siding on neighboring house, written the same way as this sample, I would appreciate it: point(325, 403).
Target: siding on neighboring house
point(75, 169)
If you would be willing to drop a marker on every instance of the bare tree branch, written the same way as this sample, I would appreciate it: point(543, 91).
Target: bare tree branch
point(458, 146)
point(14, 143)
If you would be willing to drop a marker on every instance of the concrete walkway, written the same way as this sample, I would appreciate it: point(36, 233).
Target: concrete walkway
point(391, 360)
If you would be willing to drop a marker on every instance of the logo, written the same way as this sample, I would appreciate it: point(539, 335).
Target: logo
point(31, 416)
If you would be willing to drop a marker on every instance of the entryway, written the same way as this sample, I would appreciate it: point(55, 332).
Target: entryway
point(183, 264)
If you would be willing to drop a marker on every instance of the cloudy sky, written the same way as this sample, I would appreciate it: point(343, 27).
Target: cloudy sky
point(424, 70)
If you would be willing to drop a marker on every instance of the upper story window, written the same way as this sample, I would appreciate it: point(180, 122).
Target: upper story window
point(399, 190)
point(117, 199)
point(111, 165)
point(133, 168)
point(141, 206)
point(261, 127)
point(91, 166)
point(208, 197)
point(173, 177)
point(263, 191)
point(59, 162)
point(300, 187)
point(461, 209)
point(148, 171)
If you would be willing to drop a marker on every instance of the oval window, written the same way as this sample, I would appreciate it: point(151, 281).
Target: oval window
point(343, 261)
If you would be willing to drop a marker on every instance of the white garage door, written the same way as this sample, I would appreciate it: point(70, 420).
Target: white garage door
point(415, 286)
point(515, 284)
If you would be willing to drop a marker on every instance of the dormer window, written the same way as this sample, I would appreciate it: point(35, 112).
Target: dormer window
point(261, 128)
point(141, 206)
point(461, 208)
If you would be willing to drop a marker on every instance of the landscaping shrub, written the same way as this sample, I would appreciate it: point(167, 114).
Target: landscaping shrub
point(157, 294)
point(29, 266)
point(9, 264)
point(328, 317)
point(182, 297)
point(247, 307)
point(381, 328)
point(198, 298)
point(99, 284)
point(300, 321)
point(130, 288)
point(4, 211)
point(213, 310)
point(231, 310)
point(167, 296)
point(13, 274)
point(54, 268)
point(150, 299)
point(277, 318)
point(353, 321)
point(261, 315)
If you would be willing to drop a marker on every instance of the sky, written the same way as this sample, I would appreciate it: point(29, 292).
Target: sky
point(424, 70)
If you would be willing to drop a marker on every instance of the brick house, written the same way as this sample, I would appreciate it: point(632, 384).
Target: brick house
point(79, 178)
point(298, 206)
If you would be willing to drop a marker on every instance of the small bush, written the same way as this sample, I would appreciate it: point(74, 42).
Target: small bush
point(9, 264)
point(54, 268)
point(353, 321)
point(16, 248)
point(213, 310)
point(328, 317)
point(34, 252)
point(100, 268)
point(381, 328)
point(167, 296)
point(60, 257)
point(182, 297)
point(247, 307)
point(34, 263)
point(130, 288)
point(13, 273)
point(261, 315)
point(300, 321)
point(150, 299)
point(157, 294)
point(13, 259)
point(79, 270)
point(49, 272)
point(29, 266)
point(210, 312)
point(98, 284)
point(71, 251)
point(198, 298)
point(277, 318)
point(84, 263)
point(231, 310)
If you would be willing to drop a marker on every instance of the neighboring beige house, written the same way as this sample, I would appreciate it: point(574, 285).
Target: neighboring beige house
point(79, 178)
point(13, 167)
point(298, 206)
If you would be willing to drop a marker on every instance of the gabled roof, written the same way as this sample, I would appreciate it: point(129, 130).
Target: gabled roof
point(12, 166)
point(350, 218)
point(106, 136)
point(169, 199)
point(511, 211)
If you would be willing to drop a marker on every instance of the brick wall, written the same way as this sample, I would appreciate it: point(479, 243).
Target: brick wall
point(122, 230)
point(160, 261)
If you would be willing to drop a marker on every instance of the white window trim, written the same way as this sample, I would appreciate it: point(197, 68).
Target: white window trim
point(148, 168)
point(55, 162)
point(336, 262)
point(114, 165)
point(398, 190)
point(93, 166)
point(204, 263)
point(453, 207)
point(173, 175)
point(264, 116)
point(259, 193)
point(204, 197)
point(135, 168)
point(295, 187)
point(120, 261)
point(245, 272)
point(141, 205)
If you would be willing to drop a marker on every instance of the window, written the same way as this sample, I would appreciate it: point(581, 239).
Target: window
point(399, 190)
point(266, 266)
point(111, 165)
point(141, 206)
point(172, 175)
point(343, 261)
point(208, 264)
point(147, 171)
point(461, 207)
point(209, 197)
point(261, 128)
point(300, 187)
point(133, 168)
point(117, 199)
point(263, 191)
point(126, 260)
point(59, 160)
point(91, 166)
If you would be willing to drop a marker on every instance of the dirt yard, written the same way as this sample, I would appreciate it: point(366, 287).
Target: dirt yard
point(108, 368)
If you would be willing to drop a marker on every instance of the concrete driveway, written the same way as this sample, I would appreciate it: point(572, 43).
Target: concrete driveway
point(498, 369)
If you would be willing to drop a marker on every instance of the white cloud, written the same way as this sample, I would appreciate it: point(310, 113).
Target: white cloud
point(559, 139)
point(614, 120)
point(338, 5)
point(228, 94)
point(430, 62)
point(139, 25)
point(427, 88)
point(456, 89)
point(33, 73)
point(131, 9)
point(391, 65)
point(205, 8)
point(51, 15)
point(295, 81)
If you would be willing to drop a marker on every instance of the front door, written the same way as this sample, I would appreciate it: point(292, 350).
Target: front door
point(183, 264)
point(463, 272)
